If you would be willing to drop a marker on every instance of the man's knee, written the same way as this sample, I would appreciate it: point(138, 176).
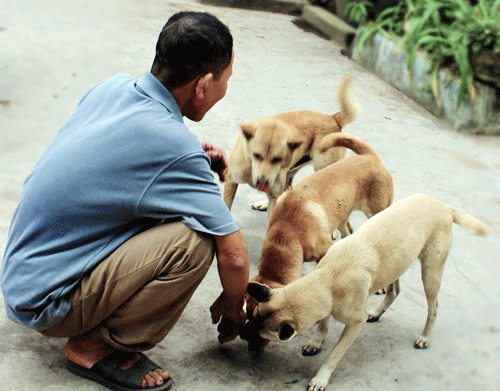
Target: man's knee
point(191, 253)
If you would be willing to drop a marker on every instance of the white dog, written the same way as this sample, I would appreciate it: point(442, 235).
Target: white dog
point(375, 256)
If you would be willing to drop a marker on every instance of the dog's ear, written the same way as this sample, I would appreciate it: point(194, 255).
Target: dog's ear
point(293, 145)
point(248, 130)
point(258, 291)
point(286, 333)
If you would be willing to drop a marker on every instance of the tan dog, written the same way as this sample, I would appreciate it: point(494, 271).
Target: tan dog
point(269, 151)
point(306, 217)
point(376, 255)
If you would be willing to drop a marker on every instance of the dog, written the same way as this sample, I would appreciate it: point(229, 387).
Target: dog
point(373, 257)
point(269, 151)
point(307, 216)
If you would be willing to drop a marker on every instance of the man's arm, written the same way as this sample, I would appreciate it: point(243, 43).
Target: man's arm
point(233, 266)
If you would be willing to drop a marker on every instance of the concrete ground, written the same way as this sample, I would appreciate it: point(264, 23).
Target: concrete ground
point(53, 51)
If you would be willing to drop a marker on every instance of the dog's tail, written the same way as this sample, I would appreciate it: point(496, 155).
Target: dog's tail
point(468, 222)
point(341, 139)
point(349, 108)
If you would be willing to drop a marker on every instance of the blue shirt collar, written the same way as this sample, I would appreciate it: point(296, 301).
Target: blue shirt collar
point(157, 91)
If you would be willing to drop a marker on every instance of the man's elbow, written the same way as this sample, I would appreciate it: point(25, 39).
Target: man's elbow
point(237, 260)
point(232, 251)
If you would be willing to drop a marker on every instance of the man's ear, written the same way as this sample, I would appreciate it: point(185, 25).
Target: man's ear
point(248, 130)
point(203, 82)
point(287, 332)
point(260, 292)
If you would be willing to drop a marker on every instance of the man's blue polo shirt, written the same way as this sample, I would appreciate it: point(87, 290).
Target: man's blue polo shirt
point(123, 161)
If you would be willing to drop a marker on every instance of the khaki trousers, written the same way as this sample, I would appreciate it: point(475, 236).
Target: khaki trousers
point(134, 297)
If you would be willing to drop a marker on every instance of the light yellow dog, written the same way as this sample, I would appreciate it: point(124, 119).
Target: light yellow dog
point(373, 257)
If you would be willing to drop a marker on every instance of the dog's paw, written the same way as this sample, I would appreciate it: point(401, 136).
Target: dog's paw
point(373, 318)
point(261, 206)
point(311, 349)
point(317, 384)
point(421, 343)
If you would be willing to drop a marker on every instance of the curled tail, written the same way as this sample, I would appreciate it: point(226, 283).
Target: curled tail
point(341, 139)
point(349, 108)
point(468, 222)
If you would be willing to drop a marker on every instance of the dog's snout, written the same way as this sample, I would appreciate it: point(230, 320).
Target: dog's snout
point(250, 332)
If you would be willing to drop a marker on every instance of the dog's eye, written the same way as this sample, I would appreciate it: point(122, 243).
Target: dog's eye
point(276, 160)
point(257, 157)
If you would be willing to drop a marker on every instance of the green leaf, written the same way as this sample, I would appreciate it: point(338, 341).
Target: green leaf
point(367, 34)
point(356, 10)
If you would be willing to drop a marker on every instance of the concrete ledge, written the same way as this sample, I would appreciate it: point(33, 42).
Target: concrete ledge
point(382, 58)
point(327, 23)
point(320, 18)
point(278, 6)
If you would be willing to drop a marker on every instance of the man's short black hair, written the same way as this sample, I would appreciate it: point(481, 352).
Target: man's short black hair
point(191, 44)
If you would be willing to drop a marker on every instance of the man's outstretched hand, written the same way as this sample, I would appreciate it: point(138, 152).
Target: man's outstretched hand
point(229, 317)
point(219, 158)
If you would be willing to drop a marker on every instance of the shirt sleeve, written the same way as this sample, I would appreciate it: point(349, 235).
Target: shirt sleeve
point(186, 189)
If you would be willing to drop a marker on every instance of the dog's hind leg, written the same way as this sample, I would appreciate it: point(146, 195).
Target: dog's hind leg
point(392, 291)
point(431, 287)
point(433, 258)
point(314, 344)
point(432, 283)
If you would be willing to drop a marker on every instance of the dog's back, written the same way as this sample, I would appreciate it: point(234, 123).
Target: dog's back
point(413, 220)
point(303, 120)
point(418, 226)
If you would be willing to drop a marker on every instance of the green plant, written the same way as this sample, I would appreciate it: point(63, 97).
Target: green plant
point(357, 11)
point(447, 31)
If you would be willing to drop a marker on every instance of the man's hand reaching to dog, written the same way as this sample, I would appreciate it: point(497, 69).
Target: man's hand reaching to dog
point(233, 266)
point(228, 317)
point(219, 158)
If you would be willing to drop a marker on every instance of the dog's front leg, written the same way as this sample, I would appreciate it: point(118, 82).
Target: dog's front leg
point(229, 192)
point(271, 204)
point(260, 205)
point(349, 334)
point(345, 228)
point(272, 195)
point(268, 205)
point(314, 344)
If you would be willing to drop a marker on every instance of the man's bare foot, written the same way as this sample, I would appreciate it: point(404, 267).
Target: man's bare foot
point(87, 349)
point(155, 378)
